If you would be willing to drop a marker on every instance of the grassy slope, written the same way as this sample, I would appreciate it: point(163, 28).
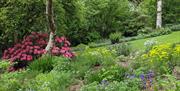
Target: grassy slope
point(171, 38)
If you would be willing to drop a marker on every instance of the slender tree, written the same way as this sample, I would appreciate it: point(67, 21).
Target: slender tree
point(159, 14)
point(51, 24)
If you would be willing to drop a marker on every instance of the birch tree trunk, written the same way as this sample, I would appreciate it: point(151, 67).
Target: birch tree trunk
point(51, 25)
point(159, 14)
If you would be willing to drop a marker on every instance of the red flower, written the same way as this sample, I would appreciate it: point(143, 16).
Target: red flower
point(29, 58)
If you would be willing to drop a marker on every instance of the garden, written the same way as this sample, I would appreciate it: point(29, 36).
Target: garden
point(89, 45)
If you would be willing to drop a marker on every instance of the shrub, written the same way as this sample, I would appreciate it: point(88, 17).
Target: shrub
point(113, 73)
point(90, 87)
point(131, 85)
point(4, 64)
point(105, 16)
point(167, 83)
point(43, 64)
point(122, 49)
point(149, 44)
point(161, 59)
point(115, 37)
point(99, 43)
point(164, 31)
point(85, 60)
point(53, 81)
point(80, 47)
point(32, 47)
point(176, 55)
point(145, 30)
point(96, 56)
point(12, 81)
point(175, 27)
point(62, 64)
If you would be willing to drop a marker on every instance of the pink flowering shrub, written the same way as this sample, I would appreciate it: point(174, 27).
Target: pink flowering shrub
point(32, 47)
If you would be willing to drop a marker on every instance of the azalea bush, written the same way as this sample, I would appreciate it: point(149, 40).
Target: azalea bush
point(33, 47)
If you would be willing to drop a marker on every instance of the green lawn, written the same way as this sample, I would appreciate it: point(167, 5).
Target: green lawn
point(171, 38)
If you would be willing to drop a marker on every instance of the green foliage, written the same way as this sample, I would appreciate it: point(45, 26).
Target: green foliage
point(43, 64)
point(148, 8)
point(175, 27)
point(90, 87)
point(149, 44)
point(145, 30)
point(18, 18)
point(115, 37)
point(105, 16)
point(161, 59)
point(4, 65)
point(171, 12)
point(122, 49)
point(112, 73)
point(167, 83)
point(9, 82)
point(87, 59)
point(128, 85)
point(71, 20)
point(34, 79)
point(53, 81)
point(82, 21)
point(163, 31)
point(14, 81)
point(80, 47)
point(136, 22)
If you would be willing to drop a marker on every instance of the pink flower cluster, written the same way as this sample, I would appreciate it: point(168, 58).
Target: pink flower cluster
point(61, 47)
point(33, 46)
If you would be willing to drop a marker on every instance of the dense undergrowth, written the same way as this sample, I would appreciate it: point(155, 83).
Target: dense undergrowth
point(99, 69)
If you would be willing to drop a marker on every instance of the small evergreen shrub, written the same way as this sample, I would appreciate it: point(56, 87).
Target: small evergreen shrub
point(115, 37)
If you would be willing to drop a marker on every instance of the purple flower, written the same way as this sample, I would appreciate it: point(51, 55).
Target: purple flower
point(142, 77)
point(150, 76)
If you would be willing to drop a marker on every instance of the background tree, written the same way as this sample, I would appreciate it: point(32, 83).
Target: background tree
point(159, 14)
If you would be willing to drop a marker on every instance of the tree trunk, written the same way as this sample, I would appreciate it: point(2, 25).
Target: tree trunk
point(51, 25)
point(159, 14)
